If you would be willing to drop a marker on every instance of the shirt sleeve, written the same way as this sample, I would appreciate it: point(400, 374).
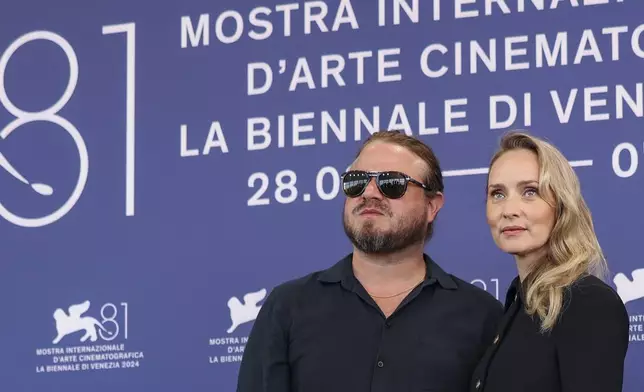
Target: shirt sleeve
point(592, 339)
point(264, 366)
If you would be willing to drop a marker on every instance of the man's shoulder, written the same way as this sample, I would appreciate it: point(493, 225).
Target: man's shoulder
point(471, 292)
point(312, 280)
point(463, 291)
point(297, 287)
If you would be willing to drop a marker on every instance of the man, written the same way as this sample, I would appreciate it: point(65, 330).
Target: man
point(386, 317)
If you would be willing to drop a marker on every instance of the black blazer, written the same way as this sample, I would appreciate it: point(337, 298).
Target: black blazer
point(584, 352)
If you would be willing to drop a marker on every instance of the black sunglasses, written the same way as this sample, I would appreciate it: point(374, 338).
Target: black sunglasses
point(392, 184)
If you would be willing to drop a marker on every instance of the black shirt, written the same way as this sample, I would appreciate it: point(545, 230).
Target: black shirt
point(584, 352)
point(323, 332)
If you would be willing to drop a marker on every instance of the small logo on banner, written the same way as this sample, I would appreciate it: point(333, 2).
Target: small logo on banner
point(230, 348)
point(632, 291)
point(241, 313)
point(68, 324)
point(85, 341)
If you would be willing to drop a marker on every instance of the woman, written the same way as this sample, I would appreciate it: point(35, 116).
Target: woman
point(564, 329)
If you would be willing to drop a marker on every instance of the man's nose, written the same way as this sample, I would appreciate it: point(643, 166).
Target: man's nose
point(372, 191)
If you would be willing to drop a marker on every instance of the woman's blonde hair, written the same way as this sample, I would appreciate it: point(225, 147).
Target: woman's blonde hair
point(572, 248)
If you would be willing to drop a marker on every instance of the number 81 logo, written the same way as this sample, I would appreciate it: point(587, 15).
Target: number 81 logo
point(49, 115)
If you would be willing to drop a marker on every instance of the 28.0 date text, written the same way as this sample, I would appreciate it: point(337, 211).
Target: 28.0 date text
point(284, 188)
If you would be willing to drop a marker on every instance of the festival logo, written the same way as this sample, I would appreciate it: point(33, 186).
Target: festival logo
point(88, 340)
point(230, 346)
point(631, 291)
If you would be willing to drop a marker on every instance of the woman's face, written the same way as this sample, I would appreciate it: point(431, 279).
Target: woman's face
point(519, 218)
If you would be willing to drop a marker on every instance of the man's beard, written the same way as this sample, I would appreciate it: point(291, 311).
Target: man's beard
point(368, 239)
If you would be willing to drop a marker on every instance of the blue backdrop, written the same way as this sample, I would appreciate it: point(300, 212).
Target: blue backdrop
point(163, 161)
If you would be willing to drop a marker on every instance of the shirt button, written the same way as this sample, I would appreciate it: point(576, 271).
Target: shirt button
point(478, 384)
point(496, 339)
point(381, 364)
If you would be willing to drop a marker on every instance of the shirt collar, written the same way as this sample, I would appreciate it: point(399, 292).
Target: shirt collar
point(515, 293)
point(342, 272)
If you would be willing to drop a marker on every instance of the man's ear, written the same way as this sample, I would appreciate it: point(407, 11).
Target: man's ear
point(435, 202)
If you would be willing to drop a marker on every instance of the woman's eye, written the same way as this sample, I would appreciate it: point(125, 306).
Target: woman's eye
point(531, 192)
point(496, 194)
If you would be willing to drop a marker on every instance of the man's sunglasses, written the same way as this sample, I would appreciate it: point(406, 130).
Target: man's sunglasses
point(392, 184)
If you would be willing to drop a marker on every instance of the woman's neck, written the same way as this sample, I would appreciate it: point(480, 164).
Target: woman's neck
point(526, 262)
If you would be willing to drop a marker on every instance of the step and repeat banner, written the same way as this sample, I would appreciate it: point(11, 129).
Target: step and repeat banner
point(166, 164)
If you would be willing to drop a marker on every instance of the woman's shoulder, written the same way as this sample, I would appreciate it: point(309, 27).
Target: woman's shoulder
point(591, 288)
point(591, 300)
point(592, 315)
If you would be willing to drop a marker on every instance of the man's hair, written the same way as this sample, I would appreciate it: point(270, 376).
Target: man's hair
point(433, 178)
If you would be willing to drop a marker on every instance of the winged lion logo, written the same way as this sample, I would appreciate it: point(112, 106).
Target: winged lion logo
point(68, 324)
point(241, 313)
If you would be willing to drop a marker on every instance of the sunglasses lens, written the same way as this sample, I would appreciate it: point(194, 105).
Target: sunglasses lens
point(354, 183)
point(392, 184)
